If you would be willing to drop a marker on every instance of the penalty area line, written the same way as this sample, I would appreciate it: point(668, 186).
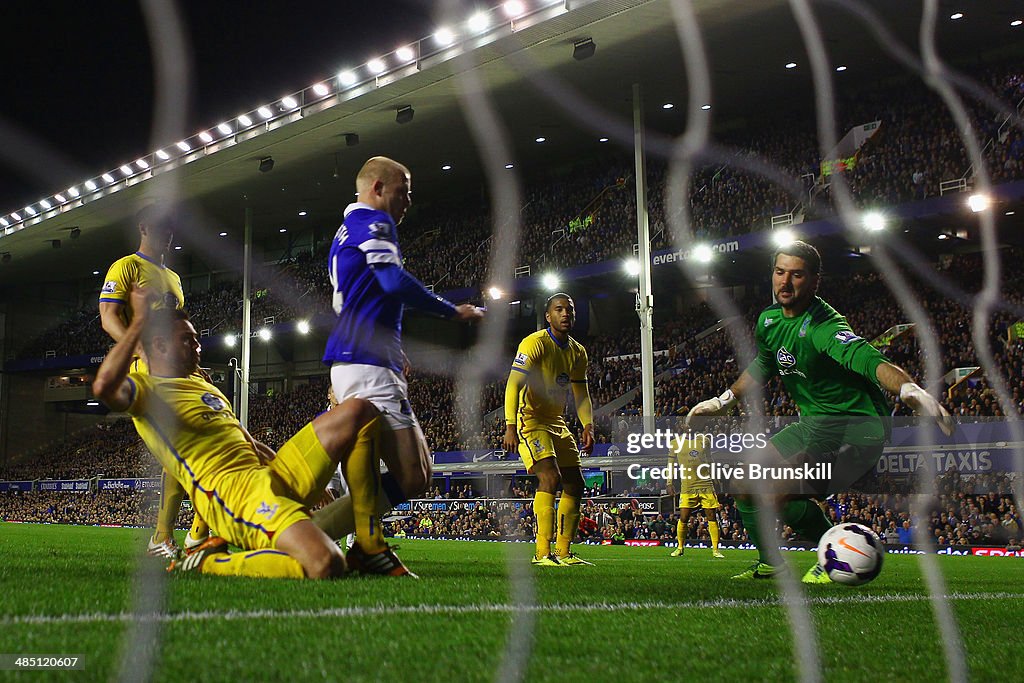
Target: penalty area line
point(482, 608)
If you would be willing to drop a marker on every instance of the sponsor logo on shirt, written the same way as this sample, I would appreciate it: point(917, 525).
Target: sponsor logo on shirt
point(109, 287)
point(266, 510)
point(846, 336)
point(784, 358)
point(520, 359)
point(213, 401)
point(768, 322)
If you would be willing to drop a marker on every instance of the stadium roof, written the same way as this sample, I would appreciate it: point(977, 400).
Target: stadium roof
point(538, 90)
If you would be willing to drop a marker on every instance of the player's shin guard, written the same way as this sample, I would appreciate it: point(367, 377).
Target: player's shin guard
point(263, 564)
point(544, 511)
point(568, 523)
point(171, 495)
point(806, 518)
point(713, 531)
point(362, 472)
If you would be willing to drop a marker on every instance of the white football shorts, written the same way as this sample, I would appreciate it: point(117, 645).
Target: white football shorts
point(383, 387)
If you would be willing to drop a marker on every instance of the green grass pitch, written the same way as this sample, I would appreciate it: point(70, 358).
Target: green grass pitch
point(638, 615)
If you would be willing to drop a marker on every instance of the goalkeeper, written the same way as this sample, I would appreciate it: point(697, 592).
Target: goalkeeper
point(836, 379)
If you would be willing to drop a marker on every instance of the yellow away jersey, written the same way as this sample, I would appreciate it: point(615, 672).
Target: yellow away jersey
point(138, 269)
point(688, 455)
point(189, 427)
point(550, 370)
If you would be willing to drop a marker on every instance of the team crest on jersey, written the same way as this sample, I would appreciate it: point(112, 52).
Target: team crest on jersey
point(846, 336)
point(266, 510)
point(109, 287)
point(784, 358)
point(768, 322)
point(521, 359)
point(380, 229)
point(803, 328)
point(213, 401)
point(694, 453)
point(562, 380)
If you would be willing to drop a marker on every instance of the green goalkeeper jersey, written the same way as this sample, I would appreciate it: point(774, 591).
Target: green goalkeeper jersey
point(826, 367)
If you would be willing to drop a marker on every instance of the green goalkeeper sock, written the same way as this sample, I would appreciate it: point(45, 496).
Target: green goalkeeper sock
point(806, 518)
point(748, 513)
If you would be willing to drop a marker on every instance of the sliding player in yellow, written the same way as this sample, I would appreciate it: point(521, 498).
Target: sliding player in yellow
point(694, 489)
point(146, 268)
point(546, 365)
point(257, 500)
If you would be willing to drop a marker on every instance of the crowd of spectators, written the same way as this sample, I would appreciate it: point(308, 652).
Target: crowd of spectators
point(915, 149)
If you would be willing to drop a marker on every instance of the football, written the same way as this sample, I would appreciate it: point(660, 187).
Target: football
point(851, 554)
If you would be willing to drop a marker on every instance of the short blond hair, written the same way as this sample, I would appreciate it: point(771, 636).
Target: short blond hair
point(378, 168)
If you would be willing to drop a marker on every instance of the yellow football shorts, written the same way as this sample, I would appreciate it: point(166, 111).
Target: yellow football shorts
point(705, 499)
point(252, 507)
point(539, 444)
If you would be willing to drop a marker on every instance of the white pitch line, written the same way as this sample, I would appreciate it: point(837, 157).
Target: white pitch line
point(481, 608)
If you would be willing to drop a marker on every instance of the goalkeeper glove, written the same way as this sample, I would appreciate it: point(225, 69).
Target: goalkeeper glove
point(713, 406)
point(922, 403)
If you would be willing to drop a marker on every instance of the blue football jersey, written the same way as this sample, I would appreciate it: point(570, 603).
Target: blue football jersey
point(369, 325)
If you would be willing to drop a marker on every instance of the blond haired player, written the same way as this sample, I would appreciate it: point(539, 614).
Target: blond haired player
point(694, 490)
point(146, 268)
point(546, 365)
point(258, 500)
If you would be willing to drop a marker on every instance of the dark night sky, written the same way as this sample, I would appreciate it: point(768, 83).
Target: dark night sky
point(78, 81)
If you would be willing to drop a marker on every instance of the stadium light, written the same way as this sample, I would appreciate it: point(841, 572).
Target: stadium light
point(540, 139)
point(177, 247)
point(405, 54)
point(4, 222)
point(142, 164)
point(126, 169)
point(550, 281)
point(479, 22)
point(1016, 22)
point(30, 211)
point(320, 89)
point(446, 167)
point(667, 105)
point(956, 15)
point(873, 221)
point(265, 112)
point(289, 102)
point(73, 191)
point(224, 129)
point(245, 120)
point(230, 340)
point(840, 68)
point(632, 267)
point(90, 185)
point(302, 326)
point(60, 198)
point(95, 272)
point(513, 8)
point(702, 253)
point(223, 234)
point(264, 334)
point(782, 237)
point(602, 139)
point(978, 202)
point(376, 66)
point(16, 216)
point(184, 146)
point(444, 37)
point(791, 65)
point(347, 78)
point(705, 107)
point(45, 204)
point(494, 293)
point(509, 166)
point(206, 137)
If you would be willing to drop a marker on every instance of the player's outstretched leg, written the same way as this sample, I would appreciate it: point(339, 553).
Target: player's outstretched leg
point(768, 564)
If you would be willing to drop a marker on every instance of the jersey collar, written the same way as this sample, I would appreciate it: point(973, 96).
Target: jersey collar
point(558, 343)
point(357, 205)
point(146, 258)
